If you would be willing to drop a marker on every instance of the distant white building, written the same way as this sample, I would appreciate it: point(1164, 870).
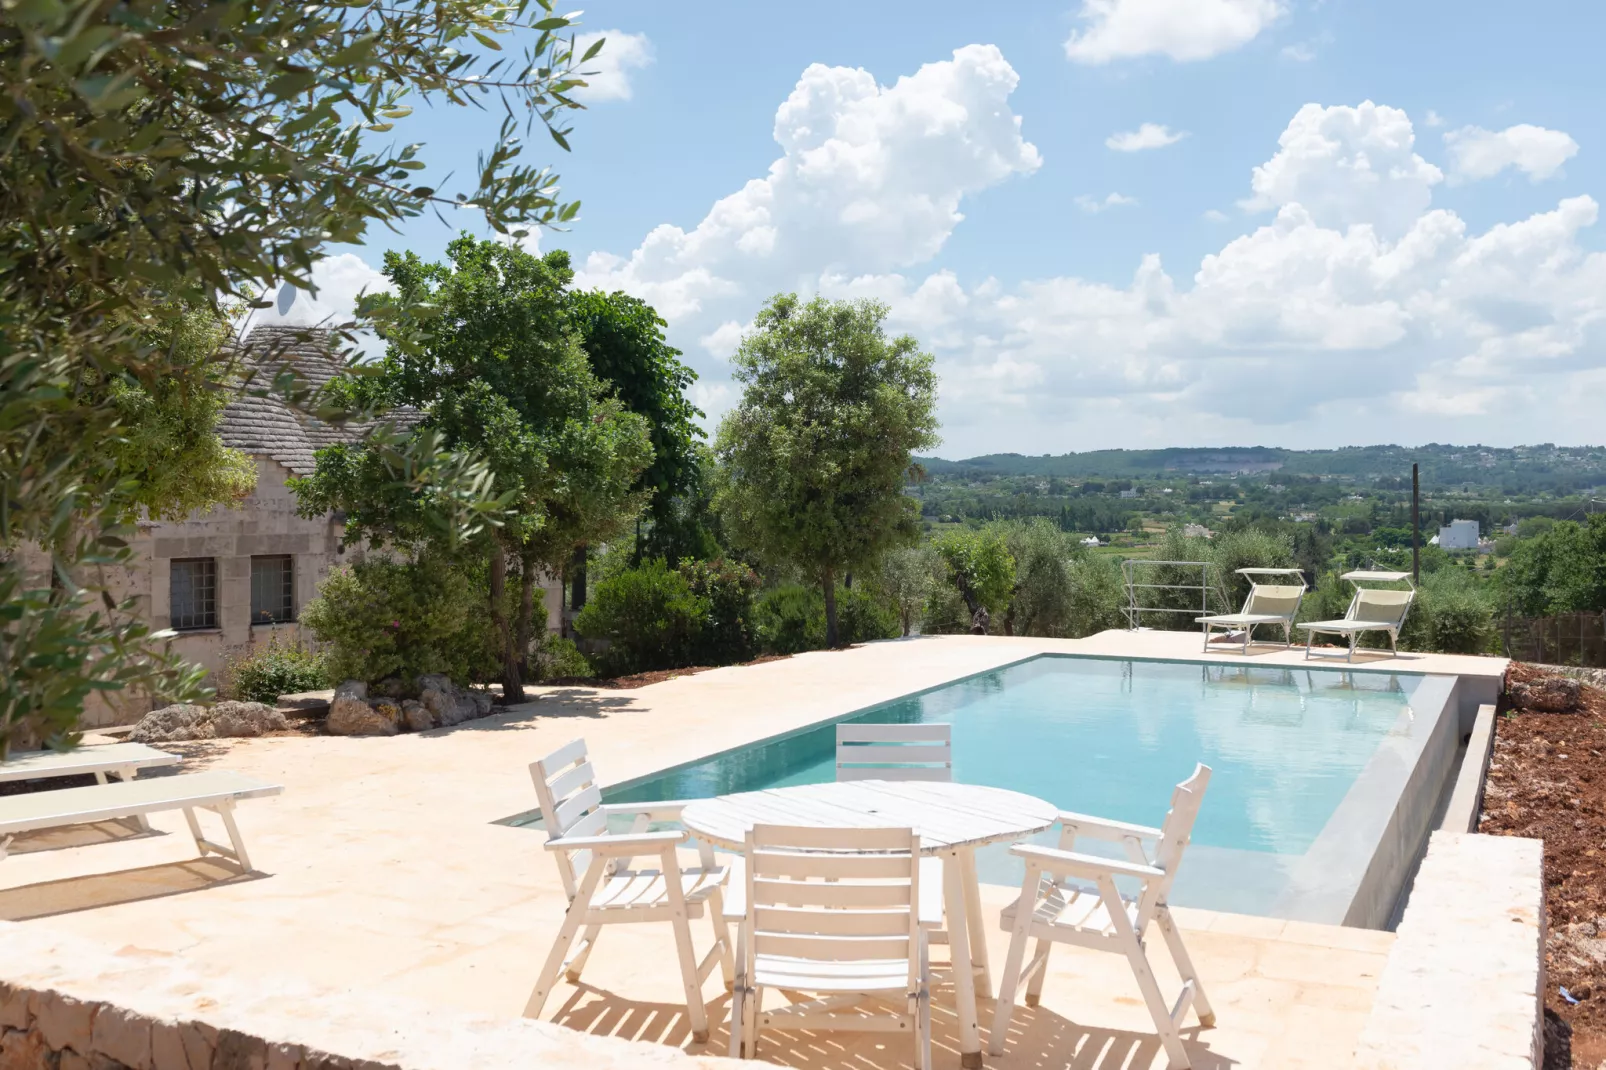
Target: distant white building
point(1133, 493)
point(1092, 540)
point(1459, 535)
point(1197, 531)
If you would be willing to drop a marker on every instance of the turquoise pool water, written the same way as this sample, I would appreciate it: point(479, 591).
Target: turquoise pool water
point(1113, 738)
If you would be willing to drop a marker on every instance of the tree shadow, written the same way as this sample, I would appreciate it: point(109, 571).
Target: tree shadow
point(561, 704)
point(1039, 1038)
point(73, 894)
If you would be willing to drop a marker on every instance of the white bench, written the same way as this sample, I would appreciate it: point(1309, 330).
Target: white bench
point(122, 760)
point(215, 790)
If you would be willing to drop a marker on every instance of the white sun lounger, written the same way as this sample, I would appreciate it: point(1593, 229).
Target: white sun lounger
point(1371, 610)
point(215, 790)
point(121, 760)
point(1268, 603)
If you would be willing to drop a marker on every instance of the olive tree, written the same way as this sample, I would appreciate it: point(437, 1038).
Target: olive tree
point(815, 458)
point(162, 154)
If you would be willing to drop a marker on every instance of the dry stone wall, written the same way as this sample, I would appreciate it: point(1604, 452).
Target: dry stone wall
point(69, 1004)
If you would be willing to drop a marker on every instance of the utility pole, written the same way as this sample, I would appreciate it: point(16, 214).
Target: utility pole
point(1416, 524)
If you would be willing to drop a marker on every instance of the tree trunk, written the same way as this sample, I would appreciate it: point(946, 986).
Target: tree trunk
point(512, 682)
point(577, 580)
point(828, 583)
point(526, 607)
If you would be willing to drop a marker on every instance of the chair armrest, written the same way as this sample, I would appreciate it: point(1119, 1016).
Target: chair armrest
point(1103, 829)
point(626, 844)
point(656, 811)
point(1054, 860)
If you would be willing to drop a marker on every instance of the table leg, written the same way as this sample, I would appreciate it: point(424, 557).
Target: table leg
point(957, 910)
point(977, 925)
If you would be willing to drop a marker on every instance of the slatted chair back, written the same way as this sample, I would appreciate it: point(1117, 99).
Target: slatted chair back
point(1273, 600)
point(1381, 607)
point(571, 805)
point(1175, 833)
point(894, 752)
point(824, 899)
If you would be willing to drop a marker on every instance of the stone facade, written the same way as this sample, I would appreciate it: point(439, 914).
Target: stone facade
point(283, 444)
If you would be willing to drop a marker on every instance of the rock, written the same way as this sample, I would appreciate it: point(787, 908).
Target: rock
point(247, 719)
point(391, 687)
point(307, 703)
point(435, 681)
point(1551, 694)
point(482, 702)
point(351, 715)
point(174, 724)
point(416, 717)
point(448, 703)
point(442, 705)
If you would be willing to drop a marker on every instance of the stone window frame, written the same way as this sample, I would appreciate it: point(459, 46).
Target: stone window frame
point(282, 609)
point(203, 587)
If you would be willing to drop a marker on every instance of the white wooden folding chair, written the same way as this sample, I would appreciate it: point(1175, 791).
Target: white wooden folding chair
point(1057, 905)
point(894, 752)
point(605, 889)
point(839, 915)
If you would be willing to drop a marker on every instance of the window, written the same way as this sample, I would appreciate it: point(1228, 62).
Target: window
point(272, 589)
point(192, 587)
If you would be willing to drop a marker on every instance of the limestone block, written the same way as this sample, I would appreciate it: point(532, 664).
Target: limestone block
point(200, 1043)
point(13, 1007)
point(167, 1048)
point(23, 1049)
point(175, 723)
point(284, 1056)
point(351, 715)
point(64, 1022)
point(123, 1037)
point(416, 717)
point(246, 719)
point(71, 1060)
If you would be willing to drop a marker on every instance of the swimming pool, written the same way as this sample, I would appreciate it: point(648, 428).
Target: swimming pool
point(1288, 747)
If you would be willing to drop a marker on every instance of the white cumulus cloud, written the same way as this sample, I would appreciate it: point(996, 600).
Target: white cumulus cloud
point(607, 74)
point(1180, 29)
point(1146, 136)
point(1346, 166)
point(339, 281)
point(1535, 151)
point(1094, 205)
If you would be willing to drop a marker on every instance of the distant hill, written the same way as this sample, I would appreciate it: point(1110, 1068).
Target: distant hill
point(1527, 467)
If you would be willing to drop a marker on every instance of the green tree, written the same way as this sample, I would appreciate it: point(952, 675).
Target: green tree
point(1041, 600)
point(624, 338)
point(185, 155)
point(906, 577)
point(1560, 570)
point(491, 358)
point(982, 571)
point(815, 457)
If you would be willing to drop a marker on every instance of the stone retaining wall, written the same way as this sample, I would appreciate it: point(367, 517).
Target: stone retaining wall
point(68, 1004)
point(1464, 982)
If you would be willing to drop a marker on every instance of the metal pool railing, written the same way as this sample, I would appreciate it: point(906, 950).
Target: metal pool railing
point(1205, 588)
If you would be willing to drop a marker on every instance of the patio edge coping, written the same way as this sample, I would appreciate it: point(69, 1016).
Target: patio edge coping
point(62, 994)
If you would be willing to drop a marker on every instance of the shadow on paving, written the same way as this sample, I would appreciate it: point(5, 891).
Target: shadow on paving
point(569, 702)
point(1039, 1039)
point(72, 894)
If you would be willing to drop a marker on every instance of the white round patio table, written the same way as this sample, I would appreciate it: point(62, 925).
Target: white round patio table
point(952, 820)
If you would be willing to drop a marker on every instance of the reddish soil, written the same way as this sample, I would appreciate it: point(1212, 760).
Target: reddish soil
point(642, 679)
point(1547, 780)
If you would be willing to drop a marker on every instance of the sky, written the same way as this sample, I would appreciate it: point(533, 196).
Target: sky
point(1114, 223)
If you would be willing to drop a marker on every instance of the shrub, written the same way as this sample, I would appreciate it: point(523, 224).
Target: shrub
point(650, 616)
point(791, 618)
point(945, 612)
point(1097, 595)
point(906, 579)
point(556, 657)
point(381, 618)
point(275, 669)
point(726, 635)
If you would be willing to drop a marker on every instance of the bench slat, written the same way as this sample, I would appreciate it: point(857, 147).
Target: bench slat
point(103, 802)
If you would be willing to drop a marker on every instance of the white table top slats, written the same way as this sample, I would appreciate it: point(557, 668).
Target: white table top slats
point(95, 759)
point(946, 816)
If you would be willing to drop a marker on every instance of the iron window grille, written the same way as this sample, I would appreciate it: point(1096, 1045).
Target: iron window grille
point(273, 589)
point(192, 589)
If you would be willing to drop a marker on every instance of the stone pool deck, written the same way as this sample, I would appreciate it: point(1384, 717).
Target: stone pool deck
point(383, 873)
